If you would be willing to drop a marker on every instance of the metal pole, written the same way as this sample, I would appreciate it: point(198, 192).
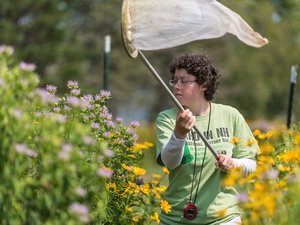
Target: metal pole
point(291, 97)
point(106, 61)
point(177, 103)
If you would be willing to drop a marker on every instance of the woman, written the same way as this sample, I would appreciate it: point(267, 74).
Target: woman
point(195, 189)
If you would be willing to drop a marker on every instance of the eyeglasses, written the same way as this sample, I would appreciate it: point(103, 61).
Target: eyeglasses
point(181, 83)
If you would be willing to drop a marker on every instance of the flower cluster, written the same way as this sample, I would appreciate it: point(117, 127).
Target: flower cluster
point(69, 155)
point(270, 194)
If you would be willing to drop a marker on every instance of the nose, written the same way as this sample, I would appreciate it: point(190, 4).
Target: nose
point(177, 85)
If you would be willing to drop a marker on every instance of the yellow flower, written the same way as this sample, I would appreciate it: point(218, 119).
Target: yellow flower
point(164, 205)
point(156, 176)
point(111, 187)
point(155, 217)
point(128, 168)
point(155, 192)
point(127, 208)
point(136, 218)
point(256, 132)
point(232, 177)
point(265, 135)
point(148, 144)
point(265, 160)
point(134, 186)
point(266, 148)
point(139, 171)
point(281, 184)
point(283, 168)
point(297, 139)
point(161, 188)
point(140, 146)
point(234, 140)
point(145, 188)
point(166, 171)
point(155, 182)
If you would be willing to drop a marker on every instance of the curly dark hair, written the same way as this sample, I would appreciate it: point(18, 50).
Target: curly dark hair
point(202, 67)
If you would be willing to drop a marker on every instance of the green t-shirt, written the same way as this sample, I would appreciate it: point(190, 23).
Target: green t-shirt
point(212, 197)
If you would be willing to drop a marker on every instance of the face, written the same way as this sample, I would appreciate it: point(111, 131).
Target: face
point(190, 93)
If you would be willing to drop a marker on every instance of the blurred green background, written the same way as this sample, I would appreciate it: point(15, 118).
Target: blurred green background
point(65, 39)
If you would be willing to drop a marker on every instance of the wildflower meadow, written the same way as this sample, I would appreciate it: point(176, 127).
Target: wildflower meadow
point(67, 160)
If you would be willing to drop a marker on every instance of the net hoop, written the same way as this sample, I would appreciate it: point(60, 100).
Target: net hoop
point(126, 27)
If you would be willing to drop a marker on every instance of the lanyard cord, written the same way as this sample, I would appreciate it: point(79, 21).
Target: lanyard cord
point(195, 162)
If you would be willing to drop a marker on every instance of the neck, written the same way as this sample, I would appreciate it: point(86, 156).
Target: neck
point(201, 109)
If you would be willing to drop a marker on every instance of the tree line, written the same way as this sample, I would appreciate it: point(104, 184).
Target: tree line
point(65, 41)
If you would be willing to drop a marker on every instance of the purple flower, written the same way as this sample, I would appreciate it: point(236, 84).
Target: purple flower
point(2, 48)
point(106, 115)
point(105, 93)
point(63, 155)
point(91, 106)
point(106, 134)
point(111, 124)
point(31, 153)
point(67, 108)
point(18, 113)
point(88, 140)
point(47, 97)
point(100, 158)
point(56, 109)
point(81, 192)
point(58, 117)
point(72, 84)
point(135, 124)
point(98, 97)
point(22, 148)
point(119, 120)
point(88, 98)
point(95, 125)
point(65, 151)
point(27, 66)
point(243, 197)
point(1, 81)
point(73, 101)
point(7, 49)
point(81, 210)
point(109, 153)
point(134, 135)
point(140, 181)
point(38, 114)
point(75, 92)
point(51, 89)
point(270, 174)
point(104, 173)
point(67, 147)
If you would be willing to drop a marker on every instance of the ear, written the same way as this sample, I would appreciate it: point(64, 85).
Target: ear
point(203, 87)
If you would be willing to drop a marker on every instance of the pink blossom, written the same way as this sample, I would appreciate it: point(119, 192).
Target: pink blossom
point(104, 173)
point(27, 66)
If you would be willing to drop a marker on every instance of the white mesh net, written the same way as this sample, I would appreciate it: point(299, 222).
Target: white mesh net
point(160, 24)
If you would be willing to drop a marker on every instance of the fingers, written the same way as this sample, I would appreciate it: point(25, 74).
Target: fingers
point(186, 119)
point(225, 163)
point(184, 123)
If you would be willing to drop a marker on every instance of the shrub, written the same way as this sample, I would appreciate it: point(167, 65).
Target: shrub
point(64, 160)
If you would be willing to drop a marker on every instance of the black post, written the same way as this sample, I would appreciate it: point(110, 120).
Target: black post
point(291, 97)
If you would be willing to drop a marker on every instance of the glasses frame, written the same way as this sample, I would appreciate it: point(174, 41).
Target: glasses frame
point(181, 83)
